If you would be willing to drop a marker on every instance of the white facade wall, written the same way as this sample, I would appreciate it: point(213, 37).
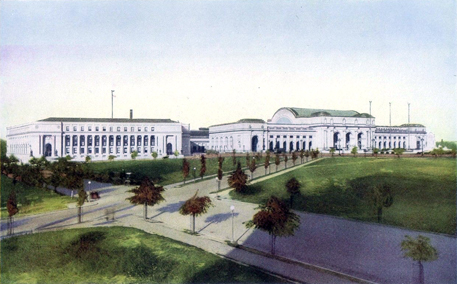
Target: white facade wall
point(98, 140)
point(288, 132)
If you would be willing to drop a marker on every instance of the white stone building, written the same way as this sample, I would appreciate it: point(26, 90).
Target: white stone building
point(292, 129)
point(98, 138)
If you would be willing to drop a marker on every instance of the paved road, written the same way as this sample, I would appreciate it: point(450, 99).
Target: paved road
point(367, 251)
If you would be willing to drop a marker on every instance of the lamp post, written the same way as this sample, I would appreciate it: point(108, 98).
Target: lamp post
point(232, 208)
point(372, 143)
point(194, 172)
point(88, 187)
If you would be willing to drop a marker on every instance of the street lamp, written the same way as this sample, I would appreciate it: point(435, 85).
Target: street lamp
point(194, 173)
point(372, 143)
point(232, 208)
point(89, 186)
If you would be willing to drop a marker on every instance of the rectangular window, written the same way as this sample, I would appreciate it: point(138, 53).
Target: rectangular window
point(310, 136)
point(132, 129)
point(271, 136)
point(139, 128)
point(104, 128)
point(97, 128)
point(82, 128)
point(89, 128)
point(285, 136)
point(152, 128)
point(145, 129)
point(74, 128)
point(118, 129)
point(111, 129)
point(125, 129)
point(291, 136)
point(67, 128)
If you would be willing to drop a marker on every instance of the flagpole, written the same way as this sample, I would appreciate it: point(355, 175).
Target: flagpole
point(112, 104)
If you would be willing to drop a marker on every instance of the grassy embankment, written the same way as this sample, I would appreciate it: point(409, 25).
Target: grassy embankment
point(115, 255)
point(424, 190)
point(166, 171)
point(31, 200)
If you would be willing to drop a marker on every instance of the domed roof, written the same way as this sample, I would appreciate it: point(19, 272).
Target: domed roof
point(320, 113)
point(367, 115)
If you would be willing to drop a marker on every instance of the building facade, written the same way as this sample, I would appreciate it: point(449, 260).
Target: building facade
point(290, 129)
point(97, 138)
point(293, 129)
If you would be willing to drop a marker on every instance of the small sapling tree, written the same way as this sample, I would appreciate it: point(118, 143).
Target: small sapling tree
point(238, 179)
point(419, 250)
point(147, 194)
point(276, 219)
point(195, 206)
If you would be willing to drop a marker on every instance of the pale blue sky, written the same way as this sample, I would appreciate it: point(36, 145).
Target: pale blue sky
point(210, 62)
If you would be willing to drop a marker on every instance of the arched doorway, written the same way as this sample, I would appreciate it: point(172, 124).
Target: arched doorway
point(254, 142)
point(48, 150)
point(271, 145)
point(359, 140)
point(169, 149)
point(291, 146)
point(348, 140)
point(284, 146)
point(336, 140)
point(298, 146)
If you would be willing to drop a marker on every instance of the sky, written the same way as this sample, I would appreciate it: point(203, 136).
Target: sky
point(210, 62)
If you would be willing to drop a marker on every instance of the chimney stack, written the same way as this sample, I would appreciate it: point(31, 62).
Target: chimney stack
point(131, 114)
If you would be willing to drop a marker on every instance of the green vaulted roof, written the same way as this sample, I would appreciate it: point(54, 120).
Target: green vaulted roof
point(106, 120)
point(312, 112)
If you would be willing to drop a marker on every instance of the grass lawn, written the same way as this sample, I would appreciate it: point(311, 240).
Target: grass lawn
point(424, 190)
point(165, 171)
point(115, 255)
point(31, 200)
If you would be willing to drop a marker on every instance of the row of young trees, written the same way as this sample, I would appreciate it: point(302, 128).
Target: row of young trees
point(41, 173)
point(251, 164)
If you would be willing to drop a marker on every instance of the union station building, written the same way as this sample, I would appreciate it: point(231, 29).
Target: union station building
point(294, 129)
point(290, 129)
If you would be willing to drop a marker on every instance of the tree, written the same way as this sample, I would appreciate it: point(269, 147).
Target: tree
point(293, 188)
point(354, 151)
point(252, 167)
point(82, 196)
point(88, 159)
point(185, 169)
point(419, 250)
point(399, 152)
point(277, 161)
point(203, 166)
point(176, 153)
point(294, 157)
point(147, 194)
point(134, 155)
point(267, 162)
point(332, 151)
point(285, 160)
point(276, 219)
point(307, 155)
point(375, 152)
point(234, 157)
point(111, 158)
point(154, 155)
point(302, 155)
point(238, 179)
point(195, 206)
point(11, 206)
point(381, 197)
point(248, 159)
